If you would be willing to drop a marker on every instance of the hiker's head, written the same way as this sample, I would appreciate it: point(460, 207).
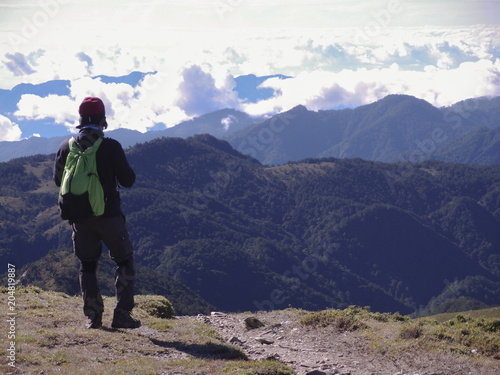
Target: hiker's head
point(92, 113)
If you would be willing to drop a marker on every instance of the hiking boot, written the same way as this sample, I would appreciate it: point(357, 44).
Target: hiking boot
point(122, 319)
point(95, 322)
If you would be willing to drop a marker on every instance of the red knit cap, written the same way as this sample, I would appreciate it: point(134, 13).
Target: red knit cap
point(91, 106)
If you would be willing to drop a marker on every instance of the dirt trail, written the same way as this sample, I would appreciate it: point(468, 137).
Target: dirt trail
point(320, 351)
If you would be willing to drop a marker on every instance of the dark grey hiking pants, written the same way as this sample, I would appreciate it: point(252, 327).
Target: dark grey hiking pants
point(88, 236)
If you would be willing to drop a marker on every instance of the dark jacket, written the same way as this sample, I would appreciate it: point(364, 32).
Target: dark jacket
point(112, 167)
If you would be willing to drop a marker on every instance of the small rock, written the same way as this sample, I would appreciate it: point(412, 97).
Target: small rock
point(265, 341)
point(235, 340)
point(316, 372)
point(218, 314)
point(253, 323)
point(203, 318)
point(306, 364)
point(274, 357)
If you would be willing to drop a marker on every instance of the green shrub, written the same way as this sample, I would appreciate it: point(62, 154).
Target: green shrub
point(411, 331)
point(474, 333)
point(157, 306)
point(343, 320)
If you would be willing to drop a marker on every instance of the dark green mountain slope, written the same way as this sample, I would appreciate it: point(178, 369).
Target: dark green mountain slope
point(387, 128)
point(311, 234)
point(482, 111)
point(58, 271)
point(479, 146)
point(471, 226)
point(396, 249)
point(293, 135)
point(395, 128)
point(210, 241)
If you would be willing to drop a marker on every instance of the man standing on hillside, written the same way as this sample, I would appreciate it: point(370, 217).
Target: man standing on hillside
point(108, 228)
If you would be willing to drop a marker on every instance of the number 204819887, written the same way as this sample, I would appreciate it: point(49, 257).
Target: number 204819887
point(11, 313)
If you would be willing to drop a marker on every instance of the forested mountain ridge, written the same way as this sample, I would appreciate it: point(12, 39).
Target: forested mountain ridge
point(317, 233)
point(479, 146)
point(395, 128)
point(219, 124)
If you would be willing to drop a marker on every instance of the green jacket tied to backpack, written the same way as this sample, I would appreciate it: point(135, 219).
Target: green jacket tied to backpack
point(81, 194)
point(103, 163)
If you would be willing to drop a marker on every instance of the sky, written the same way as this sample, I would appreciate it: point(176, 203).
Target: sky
point(336, 53)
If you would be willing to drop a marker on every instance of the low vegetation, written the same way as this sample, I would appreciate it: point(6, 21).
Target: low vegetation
point(471, 334)
point(466, 334)
point(350, 319)
point(51, 338)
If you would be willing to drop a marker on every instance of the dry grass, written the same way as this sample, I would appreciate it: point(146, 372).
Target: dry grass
point(51, 338)
point(475, 338)
point(350, 319)
point(491, 313)
point(290, 173)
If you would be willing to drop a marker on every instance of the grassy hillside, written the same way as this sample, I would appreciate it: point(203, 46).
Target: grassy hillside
point(407, 237)
point(50, 337)
point(58, 271)
point(490, 313)
point(471, 332)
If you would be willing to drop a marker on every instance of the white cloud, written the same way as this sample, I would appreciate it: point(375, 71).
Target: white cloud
point(138, 108)
point(33, 107)
point(322, 90)
point(198, 93)
point(195, 67)
point(18, 64)
point(64, 109)
point(9, 131)
point(38, 66)
point(169, 98)
point(166, 97)
point(228, 121)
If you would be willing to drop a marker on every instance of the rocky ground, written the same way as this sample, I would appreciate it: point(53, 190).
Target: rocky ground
point(51, 338)
point(328, 350)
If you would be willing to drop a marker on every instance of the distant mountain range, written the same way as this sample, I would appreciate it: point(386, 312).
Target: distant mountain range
point(237, 235)
point(219, 124)
point(479, 146)
point(396, 128)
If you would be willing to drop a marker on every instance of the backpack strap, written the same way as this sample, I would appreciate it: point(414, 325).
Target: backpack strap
point(92, 148)
point(75, 141)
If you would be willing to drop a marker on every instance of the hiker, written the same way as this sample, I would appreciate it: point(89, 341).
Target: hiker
point(109, 228)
